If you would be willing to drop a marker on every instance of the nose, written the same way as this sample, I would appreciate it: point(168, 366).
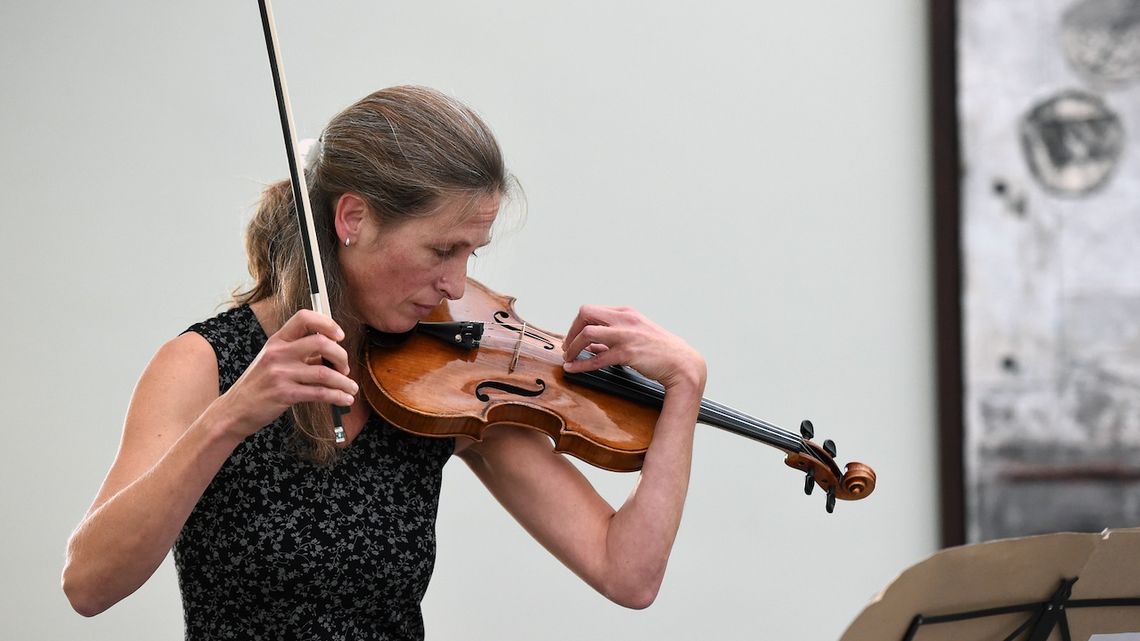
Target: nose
point(453, 280)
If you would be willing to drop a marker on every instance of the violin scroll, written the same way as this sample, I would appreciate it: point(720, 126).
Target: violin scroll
point(818, 464)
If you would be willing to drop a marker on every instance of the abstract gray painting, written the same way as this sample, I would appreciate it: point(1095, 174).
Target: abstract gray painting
point(1049, 109)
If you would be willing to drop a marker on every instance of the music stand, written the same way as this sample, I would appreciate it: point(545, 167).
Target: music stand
point(1042, 588)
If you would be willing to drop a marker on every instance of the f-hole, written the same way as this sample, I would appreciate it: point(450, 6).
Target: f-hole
point(508, 388)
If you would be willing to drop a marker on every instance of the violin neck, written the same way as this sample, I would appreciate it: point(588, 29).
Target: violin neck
point(741, 424)
point(627, 383)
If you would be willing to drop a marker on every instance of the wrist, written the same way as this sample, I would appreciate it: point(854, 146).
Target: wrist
point(688, 382)
point(222, 428)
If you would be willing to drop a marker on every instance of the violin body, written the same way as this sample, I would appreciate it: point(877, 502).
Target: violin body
point(441, 381)
point(430, 387)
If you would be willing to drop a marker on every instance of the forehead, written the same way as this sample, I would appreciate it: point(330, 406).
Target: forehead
point(463, 216)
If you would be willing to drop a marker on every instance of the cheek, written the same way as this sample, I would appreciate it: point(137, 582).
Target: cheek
point(401, 276)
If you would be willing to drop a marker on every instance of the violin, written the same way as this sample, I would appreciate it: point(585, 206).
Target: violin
point(473, 363)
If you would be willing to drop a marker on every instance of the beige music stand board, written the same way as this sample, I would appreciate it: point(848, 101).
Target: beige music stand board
point(1055, 587)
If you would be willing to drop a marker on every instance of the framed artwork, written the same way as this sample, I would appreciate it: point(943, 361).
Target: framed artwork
point(1036, 142)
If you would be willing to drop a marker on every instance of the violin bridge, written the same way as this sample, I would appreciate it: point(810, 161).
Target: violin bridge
point(518, 348)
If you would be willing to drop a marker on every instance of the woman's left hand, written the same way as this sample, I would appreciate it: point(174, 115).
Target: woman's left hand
point(624, 336)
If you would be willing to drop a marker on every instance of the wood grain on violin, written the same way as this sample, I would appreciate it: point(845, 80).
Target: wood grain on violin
point(474, 363)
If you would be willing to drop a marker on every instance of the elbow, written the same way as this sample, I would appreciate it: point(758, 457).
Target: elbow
point(85, 608)
point(631, 583)
point(83, 598)
point(79, 600)
point(638, 600)
point(635, 595)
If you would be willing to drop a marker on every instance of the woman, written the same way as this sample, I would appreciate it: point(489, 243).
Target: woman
point(226, 453)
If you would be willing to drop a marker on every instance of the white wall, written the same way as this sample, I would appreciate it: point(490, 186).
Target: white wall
point(752, 175)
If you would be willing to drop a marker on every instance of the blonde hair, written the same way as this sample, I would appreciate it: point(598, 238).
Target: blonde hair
point(402, 149)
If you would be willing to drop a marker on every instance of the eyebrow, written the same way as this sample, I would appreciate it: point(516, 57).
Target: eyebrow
point(464, 243)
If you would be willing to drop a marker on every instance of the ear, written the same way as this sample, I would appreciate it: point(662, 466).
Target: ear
point(350, 216)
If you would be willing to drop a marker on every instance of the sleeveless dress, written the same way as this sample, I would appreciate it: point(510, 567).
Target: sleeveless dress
point(280, 548)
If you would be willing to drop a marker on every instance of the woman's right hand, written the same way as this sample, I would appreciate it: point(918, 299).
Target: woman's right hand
point(300, 363)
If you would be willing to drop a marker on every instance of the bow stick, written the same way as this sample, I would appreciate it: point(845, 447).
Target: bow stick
point(315, 268)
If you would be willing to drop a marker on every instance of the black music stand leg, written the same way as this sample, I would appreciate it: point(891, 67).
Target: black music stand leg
point(1053, 611)
point(1021, 628)
point(1065, 636)
point(913, 629)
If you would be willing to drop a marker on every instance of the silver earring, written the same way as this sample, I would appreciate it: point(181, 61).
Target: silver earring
point(347, 241)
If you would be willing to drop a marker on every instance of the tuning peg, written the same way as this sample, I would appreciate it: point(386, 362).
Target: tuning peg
point(829, 447)
point(831, 499)
point(809, 483)
point(806, 429)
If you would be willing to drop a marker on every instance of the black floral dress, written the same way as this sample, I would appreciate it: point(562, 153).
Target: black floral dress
point(279, 548)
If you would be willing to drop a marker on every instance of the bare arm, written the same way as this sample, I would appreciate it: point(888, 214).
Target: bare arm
point(178, 433)
point(170, 450)
point(623, 553)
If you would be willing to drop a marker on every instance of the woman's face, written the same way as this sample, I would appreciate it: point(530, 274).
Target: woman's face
point(396, 275)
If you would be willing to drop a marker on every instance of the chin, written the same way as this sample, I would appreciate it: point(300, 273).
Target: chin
point(396, 326)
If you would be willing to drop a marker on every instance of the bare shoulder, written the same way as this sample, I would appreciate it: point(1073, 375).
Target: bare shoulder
point(188, 358)
point(180, 381)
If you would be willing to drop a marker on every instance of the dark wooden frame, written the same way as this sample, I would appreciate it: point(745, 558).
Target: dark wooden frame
point(946, 208)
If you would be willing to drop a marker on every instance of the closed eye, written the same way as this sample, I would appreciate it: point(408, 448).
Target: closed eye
point(448, 252)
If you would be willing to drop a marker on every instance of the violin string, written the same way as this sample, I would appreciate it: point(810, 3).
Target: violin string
point(718, 414)
point(714, 413)
point(723, 414)
point(648, 390)
point(726, 417)
point(545, 356)
point(512, 337)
